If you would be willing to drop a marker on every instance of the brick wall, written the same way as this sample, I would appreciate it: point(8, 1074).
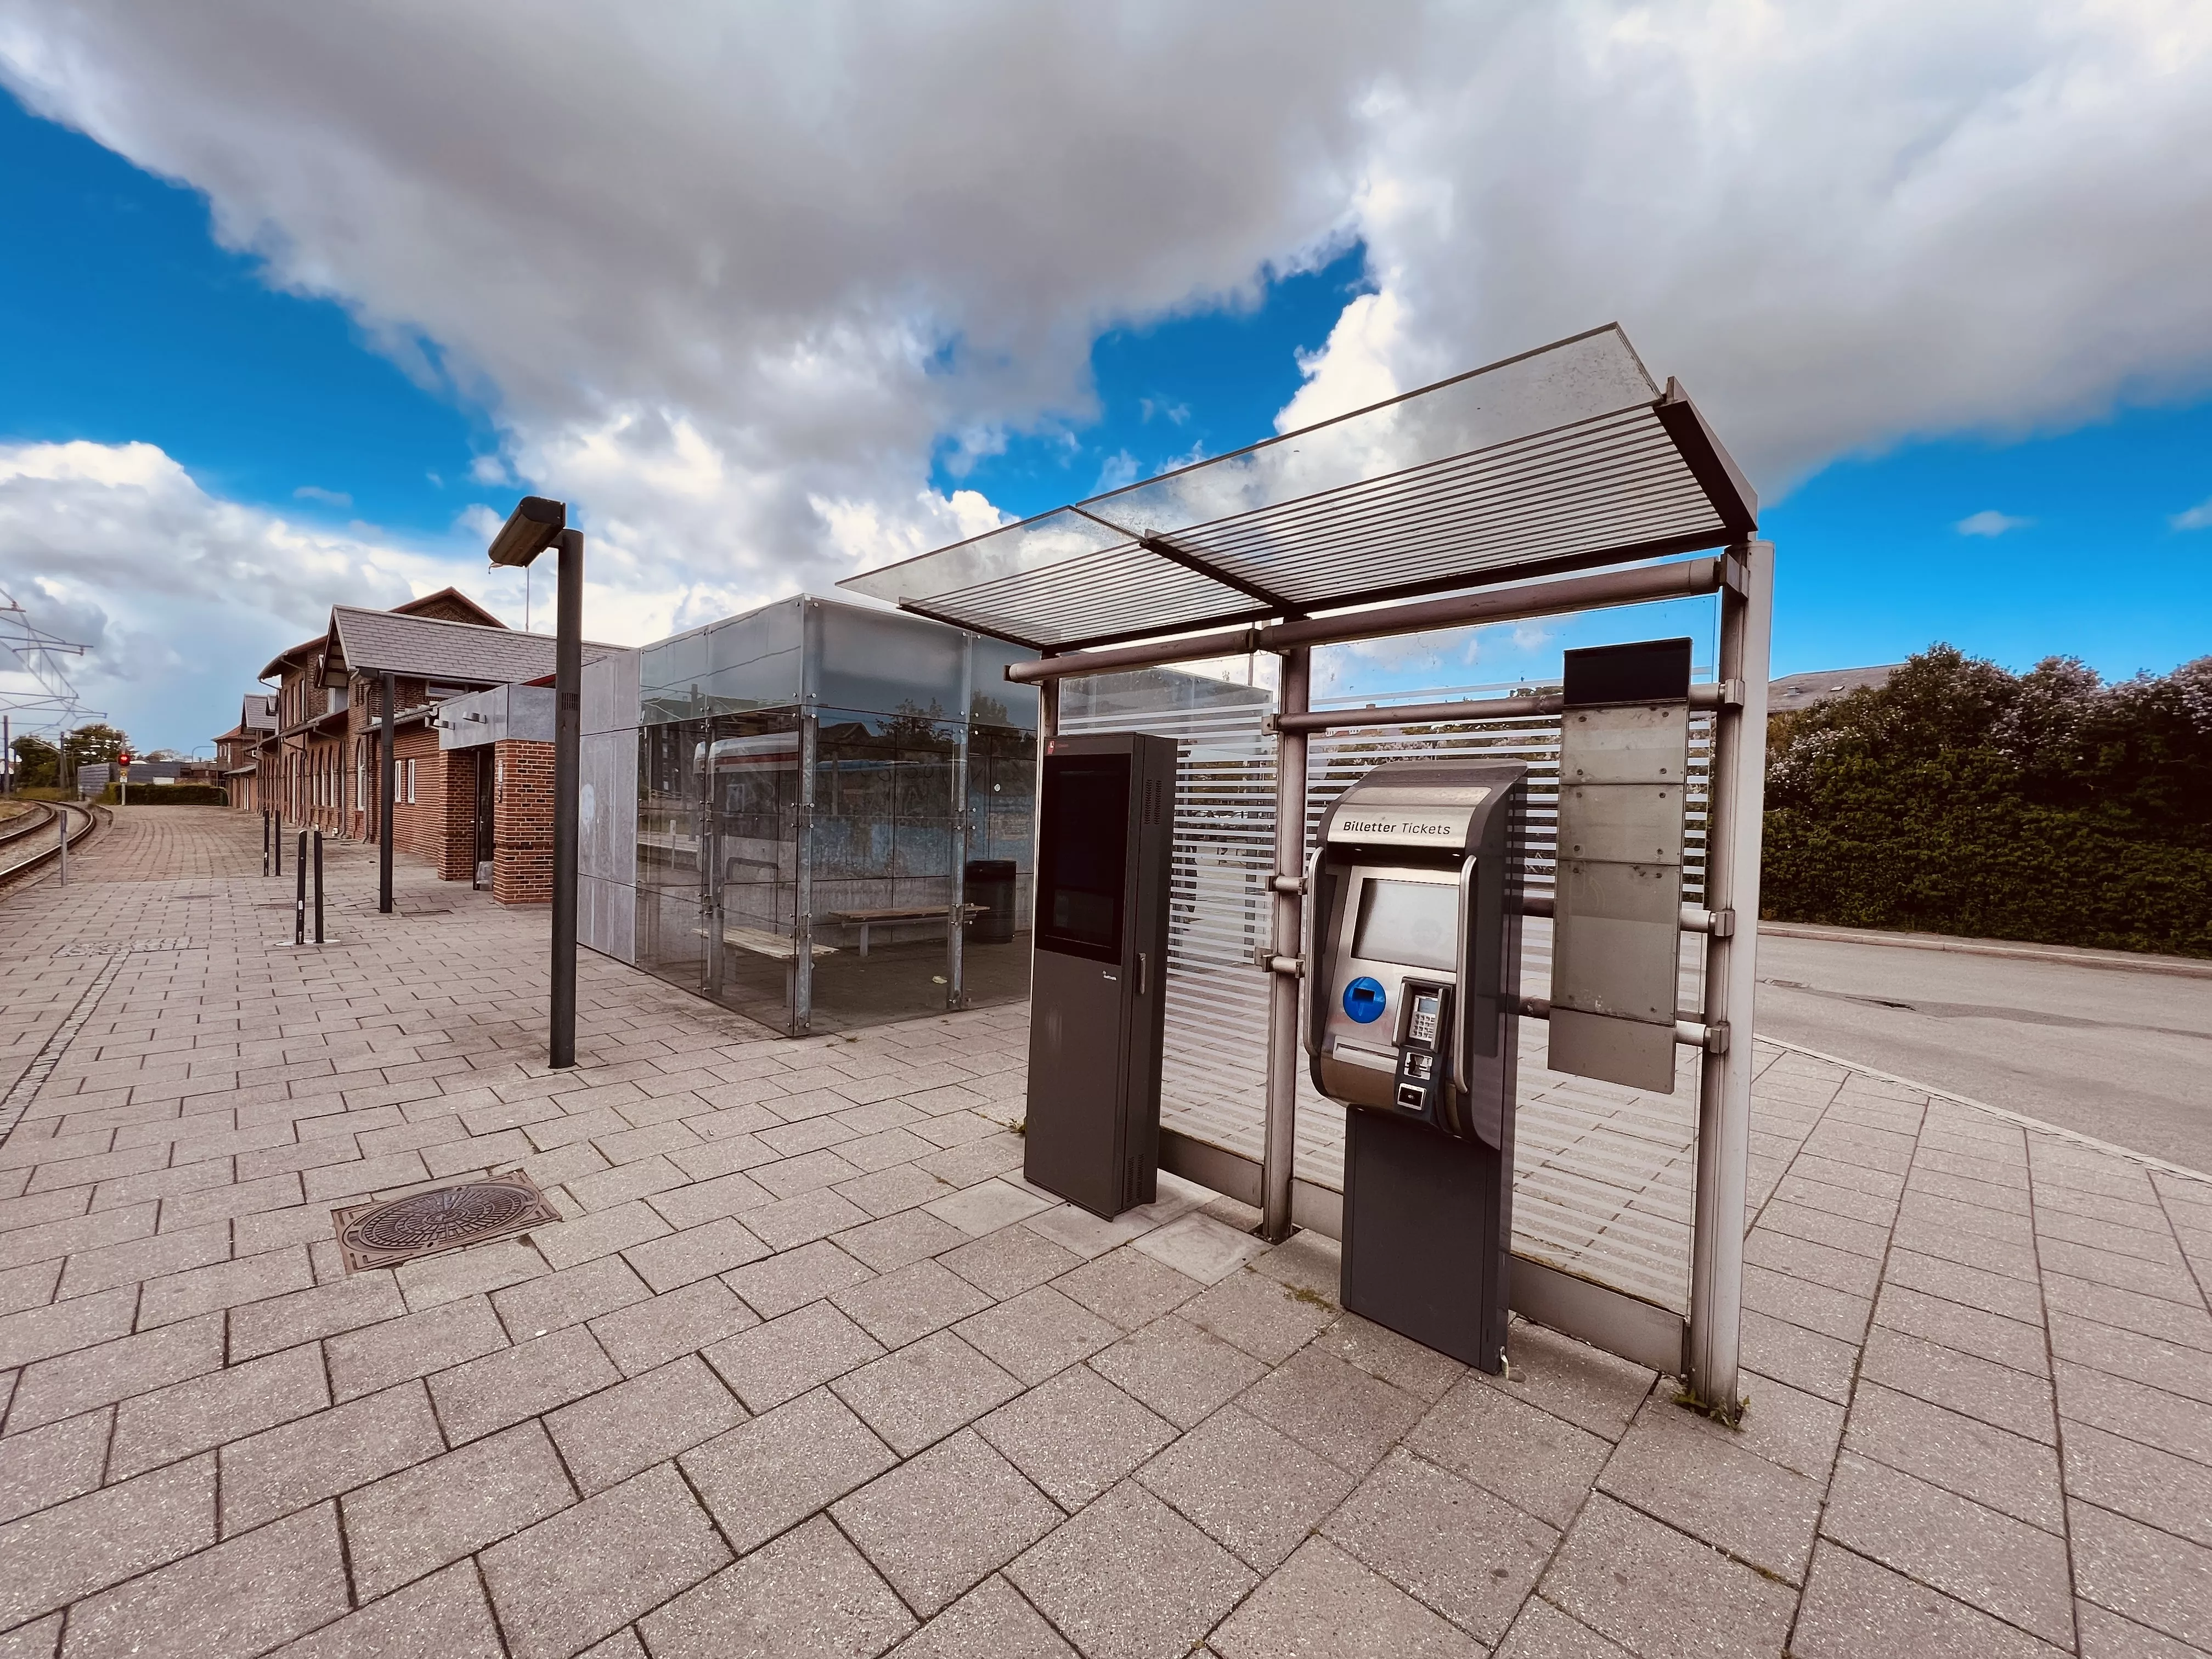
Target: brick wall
point(522, 822)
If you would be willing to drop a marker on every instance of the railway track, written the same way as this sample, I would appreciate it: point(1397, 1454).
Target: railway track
point(30, 843)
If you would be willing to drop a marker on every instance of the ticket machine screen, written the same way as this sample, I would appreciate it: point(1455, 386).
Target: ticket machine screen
point(1411, 922)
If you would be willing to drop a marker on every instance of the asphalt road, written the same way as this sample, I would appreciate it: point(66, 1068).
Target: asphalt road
point(2125, 1056)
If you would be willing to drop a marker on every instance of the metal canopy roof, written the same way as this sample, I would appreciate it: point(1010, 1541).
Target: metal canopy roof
point(1564, 458)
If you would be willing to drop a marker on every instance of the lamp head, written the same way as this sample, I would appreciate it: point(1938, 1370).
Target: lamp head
point(531, 529)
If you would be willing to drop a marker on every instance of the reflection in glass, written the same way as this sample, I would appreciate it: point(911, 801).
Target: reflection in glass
point(829, 894)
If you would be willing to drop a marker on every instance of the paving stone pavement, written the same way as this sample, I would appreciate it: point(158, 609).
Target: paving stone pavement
point(806, 1371)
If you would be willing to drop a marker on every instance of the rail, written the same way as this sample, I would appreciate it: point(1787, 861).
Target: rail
point(25, 852)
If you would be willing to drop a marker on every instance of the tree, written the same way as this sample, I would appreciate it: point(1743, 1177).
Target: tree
point(38, 765)
point(1961, 798)
point(88, 745)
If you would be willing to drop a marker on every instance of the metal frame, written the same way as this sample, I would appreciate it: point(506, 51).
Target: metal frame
point(1569, 457)
point(388, 789)
point(1735, 823)
point(568, 774)
point(1704, 1350)
point(1285, 965)
point(802, 921)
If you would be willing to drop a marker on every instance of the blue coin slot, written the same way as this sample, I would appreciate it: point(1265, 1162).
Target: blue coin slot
point(1364, 1000)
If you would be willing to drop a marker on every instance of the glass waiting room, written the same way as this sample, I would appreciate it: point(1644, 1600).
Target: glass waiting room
point(833, 816)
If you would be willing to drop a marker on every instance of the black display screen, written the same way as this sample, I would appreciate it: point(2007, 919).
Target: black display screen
point(1083, 852)
point(1413, 922)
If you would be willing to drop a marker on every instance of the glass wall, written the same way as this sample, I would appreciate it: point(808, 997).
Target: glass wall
point(833, 816)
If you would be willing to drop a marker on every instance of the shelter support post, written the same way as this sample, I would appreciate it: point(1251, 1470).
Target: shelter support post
point(568, 772)
point(1279, 1146)
point(802, 921)
point(387, 791)
point(1047, 726)
point(1733, 824)
point(955, 966)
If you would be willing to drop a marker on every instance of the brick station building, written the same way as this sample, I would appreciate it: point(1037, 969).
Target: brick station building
point(238, 752)
point(321, 766)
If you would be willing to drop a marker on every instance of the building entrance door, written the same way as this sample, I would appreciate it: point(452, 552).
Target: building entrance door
point(484, 820)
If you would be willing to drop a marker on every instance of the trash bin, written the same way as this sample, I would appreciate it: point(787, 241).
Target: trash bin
point(990, 882)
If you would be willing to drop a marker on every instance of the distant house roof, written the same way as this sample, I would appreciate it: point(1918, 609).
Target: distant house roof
point(1804, 691)
point(449, 605)
point(452, 653)
point(446, 604)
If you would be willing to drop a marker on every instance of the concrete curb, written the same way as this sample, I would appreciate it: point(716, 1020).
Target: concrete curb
point(2118, 961)
point(2021, 1118)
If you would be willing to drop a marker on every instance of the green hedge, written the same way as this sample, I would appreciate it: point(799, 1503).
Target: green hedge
point(170, 794)
point(1962, 800)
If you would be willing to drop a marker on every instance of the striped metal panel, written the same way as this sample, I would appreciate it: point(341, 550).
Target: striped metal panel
point(1605, 1177)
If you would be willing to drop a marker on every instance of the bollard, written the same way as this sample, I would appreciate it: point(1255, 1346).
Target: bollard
point(61, 815)
point(319, 887)
point(299, 893)
point(264, 841)
point(278, 841)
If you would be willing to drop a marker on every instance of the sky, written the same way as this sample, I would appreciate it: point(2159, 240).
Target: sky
point(294, 302)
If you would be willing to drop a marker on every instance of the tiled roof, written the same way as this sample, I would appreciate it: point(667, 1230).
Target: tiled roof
point(259, 714)
point(383, 641)
point(1803, 690)
point(277, 663)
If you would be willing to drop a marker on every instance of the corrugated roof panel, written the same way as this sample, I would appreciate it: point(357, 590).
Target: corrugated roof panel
point(1564, 458)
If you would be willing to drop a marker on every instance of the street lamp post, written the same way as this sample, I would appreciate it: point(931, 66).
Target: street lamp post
point(535, 524)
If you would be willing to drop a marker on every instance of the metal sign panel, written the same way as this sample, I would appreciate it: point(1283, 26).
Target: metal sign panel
point(1616, 954)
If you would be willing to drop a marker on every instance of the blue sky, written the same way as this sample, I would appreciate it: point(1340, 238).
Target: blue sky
point(122, 320)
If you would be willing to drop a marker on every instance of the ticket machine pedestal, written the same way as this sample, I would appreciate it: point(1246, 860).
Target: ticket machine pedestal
point(1428, 1223)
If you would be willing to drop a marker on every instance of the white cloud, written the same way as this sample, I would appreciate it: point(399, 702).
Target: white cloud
point(479, 523)
point(327, 497)
point(730, 302)
point(181, 595)
point(772, 256)
point(2198, 516)
point(1841, 226)
point(1989, 522)
point(1117, 471)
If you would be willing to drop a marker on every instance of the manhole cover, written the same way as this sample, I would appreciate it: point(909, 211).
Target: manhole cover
point(125, 947)
point(422, 1224)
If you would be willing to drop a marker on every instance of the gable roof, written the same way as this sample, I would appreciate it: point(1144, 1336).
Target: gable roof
point(294, 654)
point(445, 603)
point(384, 641)
point(258, 713)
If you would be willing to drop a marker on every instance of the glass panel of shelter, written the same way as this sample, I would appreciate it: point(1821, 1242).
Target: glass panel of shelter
point(884, 845)
point(908, 805)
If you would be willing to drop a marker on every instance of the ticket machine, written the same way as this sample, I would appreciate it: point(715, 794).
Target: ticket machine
point(1099, 973)
point(1414, 975)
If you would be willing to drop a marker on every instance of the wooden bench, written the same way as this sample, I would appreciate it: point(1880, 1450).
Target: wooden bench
point(758, 942)
point(863, 920)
